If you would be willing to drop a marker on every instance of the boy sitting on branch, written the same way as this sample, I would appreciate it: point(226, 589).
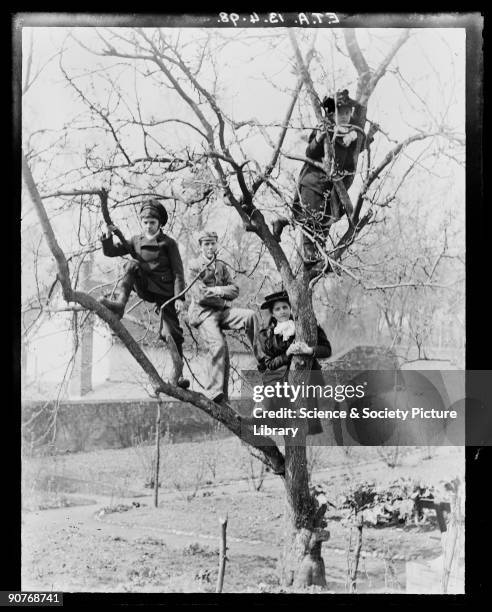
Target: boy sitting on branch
point(210, 311)
point(155, 273)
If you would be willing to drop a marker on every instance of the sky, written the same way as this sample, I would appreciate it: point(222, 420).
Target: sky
point(255, 77)
point(433, 61)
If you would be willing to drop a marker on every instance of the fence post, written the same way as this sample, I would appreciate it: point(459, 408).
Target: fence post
point(222, 555)
point(157, 454)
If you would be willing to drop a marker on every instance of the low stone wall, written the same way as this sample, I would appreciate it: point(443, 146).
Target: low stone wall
point(362, 358)
point(87, 425)
point(79, 425)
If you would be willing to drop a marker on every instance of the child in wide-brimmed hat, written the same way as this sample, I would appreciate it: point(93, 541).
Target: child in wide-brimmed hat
point(278, 344)
point(155, 273)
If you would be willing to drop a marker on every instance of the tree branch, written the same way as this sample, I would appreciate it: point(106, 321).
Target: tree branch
point(388, 158)
point(358, 60)
point(260, 225)
point(98, 112)
point(381, 69)
point(63, 270)
point(190, 284)
point(222, 413)
point(74, 192)
point(103, 195)
point(368, 79)
point(285, 124)
point(304, 72)
point(348, 238)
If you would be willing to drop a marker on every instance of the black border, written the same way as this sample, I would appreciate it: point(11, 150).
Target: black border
point(478, 355)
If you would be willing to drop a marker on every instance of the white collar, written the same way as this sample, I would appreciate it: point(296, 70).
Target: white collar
point(154, 236)
point(286, 328)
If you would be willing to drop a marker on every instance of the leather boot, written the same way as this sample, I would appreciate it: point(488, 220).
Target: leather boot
point(278, 227)
point(121, 296)
point(183, 383)
point(317, 268)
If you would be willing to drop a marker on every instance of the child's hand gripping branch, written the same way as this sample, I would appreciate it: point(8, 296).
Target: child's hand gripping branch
point(299, 348)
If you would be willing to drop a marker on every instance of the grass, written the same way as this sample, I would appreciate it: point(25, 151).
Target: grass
point(86, 558)
point(197, 465)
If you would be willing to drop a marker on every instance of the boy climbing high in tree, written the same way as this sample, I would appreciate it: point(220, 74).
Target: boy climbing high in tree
point(316, 203)
point(155, 273)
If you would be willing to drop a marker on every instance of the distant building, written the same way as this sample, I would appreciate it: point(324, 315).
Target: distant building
point(98, 365)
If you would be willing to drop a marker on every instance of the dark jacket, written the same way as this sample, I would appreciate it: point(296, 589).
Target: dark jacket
point(276, 364)
point(345, 161)
point(159, 261)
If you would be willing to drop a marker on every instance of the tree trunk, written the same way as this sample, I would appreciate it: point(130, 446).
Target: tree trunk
point(302, 564)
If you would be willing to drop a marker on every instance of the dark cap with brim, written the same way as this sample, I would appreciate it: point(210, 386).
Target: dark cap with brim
point(279, 296)
point(153, 208)
point(343, 100)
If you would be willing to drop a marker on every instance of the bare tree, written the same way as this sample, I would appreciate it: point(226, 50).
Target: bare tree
point(218, 165)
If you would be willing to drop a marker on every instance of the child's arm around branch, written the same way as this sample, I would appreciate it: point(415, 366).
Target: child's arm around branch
point(109, 248)
point(321, 350)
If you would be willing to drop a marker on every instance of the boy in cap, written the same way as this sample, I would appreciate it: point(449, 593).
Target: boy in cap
point(316, 203)
point(210, 312)
point(155, 273)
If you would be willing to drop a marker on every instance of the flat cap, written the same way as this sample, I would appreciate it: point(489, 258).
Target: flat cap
point(205, 234)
